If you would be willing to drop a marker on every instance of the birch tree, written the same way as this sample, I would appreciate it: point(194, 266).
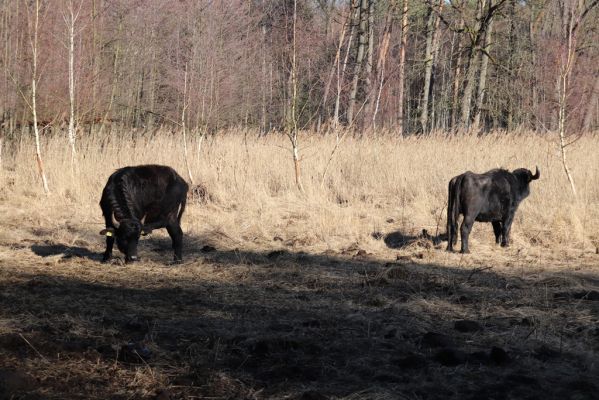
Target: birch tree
point(402, 66)
point(33, 20)
point(572, 14)
point(70, 18)
point(292, 131)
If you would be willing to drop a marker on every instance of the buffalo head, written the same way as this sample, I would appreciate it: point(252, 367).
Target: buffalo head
point(526, 176)
point(126, 234)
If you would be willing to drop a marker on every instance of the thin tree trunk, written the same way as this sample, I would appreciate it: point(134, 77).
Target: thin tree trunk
point(402, 65)
point(456, 78)
point(382, 59)
point(428, 68)
point(334, 68)
point(471, 68)
point(70, 20)
point(592, 107)
point(95, 63)
point(483, 75)
point(115, 78)
point(369, 88)
point(263, 50)
point(436, 45)
point(362, 17)
point(38, 151)
point(341, 77)
point(571, 21)
point(567, 62)
point(152, 87)
point(533, 84)
point(293, 133)
point(183, 126)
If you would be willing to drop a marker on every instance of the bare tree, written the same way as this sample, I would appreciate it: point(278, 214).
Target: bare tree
point(471, 67)
point(382, 59)
point(354, 8)
point(402, 65)
point(334, 68)
point(363, 35)
point(592, 106)
point(482, 80)
point(369, 72)
point(572, 13)
point(33, 39)
point(292, 131)
point(432, 43)
point(455, 104)
point(184, 125)
point(70, 18)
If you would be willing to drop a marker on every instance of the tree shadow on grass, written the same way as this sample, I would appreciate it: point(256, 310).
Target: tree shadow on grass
point(289, 323)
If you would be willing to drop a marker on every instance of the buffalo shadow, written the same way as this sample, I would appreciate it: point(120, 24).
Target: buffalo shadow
point(50, 250)
point(399, 240)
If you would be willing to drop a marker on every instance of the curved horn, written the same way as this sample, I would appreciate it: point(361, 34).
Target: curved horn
point(114, 221)
point(536, 175)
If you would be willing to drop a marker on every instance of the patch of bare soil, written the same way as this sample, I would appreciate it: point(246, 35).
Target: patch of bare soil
point(274, 324)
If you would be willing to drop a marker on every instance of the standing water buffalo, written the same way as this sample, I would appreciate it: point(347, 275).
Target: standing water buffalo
point(490, 197)
point(137, 200)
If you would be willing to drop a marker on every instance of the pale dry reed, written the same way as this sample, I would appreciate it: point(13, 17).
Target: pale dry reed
point(374, 184)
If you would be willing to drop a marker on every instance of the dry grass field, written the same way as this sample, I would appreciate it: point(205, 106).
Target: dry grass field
point(330, 294)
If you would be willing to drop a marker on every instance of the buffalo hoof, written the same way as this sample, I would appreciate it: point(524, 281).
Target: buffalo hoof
point(129, 260)
point(465, 251)
point(505, 244)
point(175, 262)
point(450, 249)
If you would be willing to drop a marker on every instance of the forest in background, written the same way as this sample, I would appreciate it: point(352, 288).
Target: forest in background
point(403, 65)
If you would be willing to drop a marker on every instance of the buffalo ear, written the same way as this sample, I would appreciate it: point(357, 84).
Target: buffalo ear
point(107, 232)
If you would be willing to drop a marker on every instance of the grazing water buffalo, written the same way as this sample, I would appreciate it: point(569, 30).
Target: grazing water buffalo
point(490, 197)
point(137, 200)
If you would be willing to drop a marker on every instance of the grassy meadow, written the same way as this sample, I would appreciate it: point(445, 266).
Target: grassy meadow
point(332, 293)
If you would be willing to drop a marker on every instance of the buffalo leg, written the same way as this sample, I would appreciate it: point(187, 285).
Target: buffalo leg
point(108, 253)
point(465, 232)
point(450, 235)
point(497, 231)
point(506, 228)
point(455, 234)
point(176, 234)
point(451, 232)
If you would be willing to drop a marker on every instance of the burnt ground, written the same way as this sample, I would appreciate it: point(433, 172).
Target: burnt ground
point(282, 324)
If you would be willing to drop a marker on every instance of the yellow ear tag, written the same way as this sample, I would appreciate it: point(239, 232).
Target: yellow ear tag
point(108, 233)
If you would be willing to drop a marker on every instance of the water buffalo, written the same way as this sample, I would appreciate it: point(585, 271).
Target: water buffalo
point(490, 197)
point(137, 200)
